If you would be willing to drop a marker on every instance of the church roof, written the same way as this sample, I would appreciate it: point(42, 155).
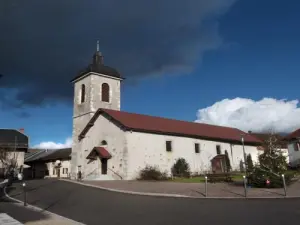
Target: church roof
point(97, 66)
point(159, 125)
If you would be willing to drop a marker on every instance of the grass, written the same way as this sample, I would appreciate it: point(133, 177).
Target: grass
point(201, 179)
point(235, 177)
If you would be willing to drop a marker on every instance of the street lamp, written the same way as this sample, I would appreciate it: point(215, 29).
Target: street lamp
point(25, 199)
point(242, 139)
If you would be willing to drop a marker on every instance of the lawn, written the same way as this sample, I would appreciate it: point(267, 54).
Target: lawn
point(200, 179)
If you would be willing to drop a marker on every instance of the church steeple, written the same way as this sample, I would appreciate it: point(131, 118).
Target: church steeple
point(98, 58)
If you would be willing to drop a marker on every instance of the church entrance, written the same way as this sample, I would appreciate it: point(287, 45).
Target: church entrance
point(103, 166)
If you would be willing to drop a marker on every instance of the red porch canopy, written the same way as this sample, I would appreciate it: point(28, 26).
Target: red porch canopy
point(99, 151)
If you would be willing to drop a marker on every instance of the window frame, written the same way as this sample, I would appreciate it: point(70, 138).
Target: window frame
point(107, 94)
point(82, 94)
point(197, 148)
point(218, 150)
point(169, 147)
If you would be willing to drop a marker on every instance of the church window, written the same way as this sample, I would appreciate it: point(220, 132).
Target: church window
point(168, 146)
point(103, 142)
point(105, 92)
point(82, 97)
point(197, 148)
point(218, 148)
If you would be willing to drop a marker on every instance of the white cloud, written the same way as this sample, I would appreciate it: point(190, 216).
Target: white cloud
point(258, 116)
point(53, 145)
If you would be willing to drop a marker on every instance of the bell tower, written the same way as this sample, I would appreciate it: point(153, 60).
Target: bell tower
point(97, 86)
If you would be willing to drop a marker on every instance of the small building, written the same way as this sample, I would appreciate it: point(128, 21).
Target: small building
point(47, 163)
point(13, 146)
point(293, 140)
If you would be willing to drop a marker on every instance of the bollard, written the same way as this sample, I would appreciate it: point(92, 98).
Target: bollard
point(284, 185)
point(24, 189)
point(205, 186)
point(245, 186)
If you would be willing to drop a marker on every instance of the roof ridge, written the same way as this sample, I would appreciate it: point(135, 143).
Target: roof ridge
point(166, 118)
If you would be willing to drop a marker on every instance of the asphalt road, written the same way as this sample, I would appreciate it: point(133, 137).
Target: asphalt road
point(93, 206)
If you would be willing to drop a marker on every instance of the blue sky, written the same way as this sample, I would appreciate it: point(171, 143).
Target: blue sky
point(259, 57)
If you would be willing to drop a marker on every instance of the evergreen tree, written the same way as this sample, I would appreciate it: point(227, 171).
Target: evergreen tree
point(249, 162)
point(242, 168)
point(227, 160)
point(272, 164)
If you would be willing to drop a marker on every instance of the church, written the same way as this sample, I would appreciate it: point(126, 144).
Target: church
point(109, 144)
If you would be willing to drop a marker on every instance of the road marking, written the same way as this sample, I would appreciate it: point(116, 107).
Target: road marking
point(7, 220)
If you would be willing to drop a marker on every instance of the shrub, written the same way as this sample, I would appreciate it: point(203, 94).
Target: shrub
point(152, 173)
point(258, 178)
point(181, 168)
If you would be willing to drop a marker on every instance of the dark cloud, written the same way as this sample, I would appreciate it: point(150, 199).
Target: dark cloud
point(43, 44)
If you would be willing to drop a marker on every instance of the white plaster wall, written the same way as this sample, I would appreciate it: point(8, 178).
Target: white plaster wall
point(64, 164)
point(150, 149)
point(83, 112)
point(294, 156)
point(103, 129)
point(114, 92)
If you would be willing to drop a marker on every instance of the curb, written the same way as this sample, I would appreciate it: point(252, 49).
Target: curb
point(175, 195)
point(3, 183)
point(37, 209)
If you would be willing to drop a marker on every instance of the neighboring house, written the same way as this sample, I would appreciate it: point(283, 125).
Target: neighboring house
point(293, 140)
point(15, 143)
point(109, 144)
point(282, 144)
point(47, 163)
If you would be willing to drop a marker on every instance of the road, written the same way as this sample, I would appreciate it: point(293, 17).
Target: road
point(94, 206)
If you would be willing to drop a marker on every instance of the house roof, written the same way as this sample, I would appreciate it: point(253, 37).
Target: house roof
point(294, 135)
point(264, 136)
point(48, 155)
point(60, 154)
point(10, 138)
point(159, 125)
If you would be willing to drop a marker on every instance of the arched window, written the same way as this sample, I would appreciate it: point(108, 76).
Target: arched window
point(82, 97)
point(103, 142)
point(105, 92)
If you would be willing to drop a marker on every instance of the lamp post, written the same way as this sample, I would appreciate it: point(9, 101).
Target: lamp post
point(25, 199)
point(245, 162)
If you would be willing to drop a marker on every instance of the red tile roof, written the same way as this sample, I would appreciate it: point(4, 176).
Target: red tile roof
point(100, 151)
point(293, 135)
point(152, 124)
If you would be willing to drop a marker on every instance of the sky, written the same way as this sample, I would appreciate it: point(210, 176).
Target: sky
point(225, 62)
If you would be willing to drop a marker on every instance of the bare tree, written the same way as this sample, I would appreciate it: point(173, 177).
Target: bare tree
point(8, 160)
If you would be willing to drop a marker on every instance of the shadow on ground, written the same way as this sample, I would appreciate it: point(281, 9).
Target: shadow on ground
point(18, 211)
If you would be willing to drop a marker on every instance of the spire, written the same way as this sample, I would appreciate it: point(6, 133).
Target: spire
point(97, 58)
point(98, 46)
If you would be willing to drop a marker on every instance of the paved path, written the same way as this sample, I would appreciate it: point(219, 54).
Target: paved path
point(196, 189)
point(94, 206)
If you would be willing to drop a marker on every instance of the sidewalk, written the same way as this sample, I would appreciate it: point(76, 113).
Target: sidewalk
point(217, 190)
